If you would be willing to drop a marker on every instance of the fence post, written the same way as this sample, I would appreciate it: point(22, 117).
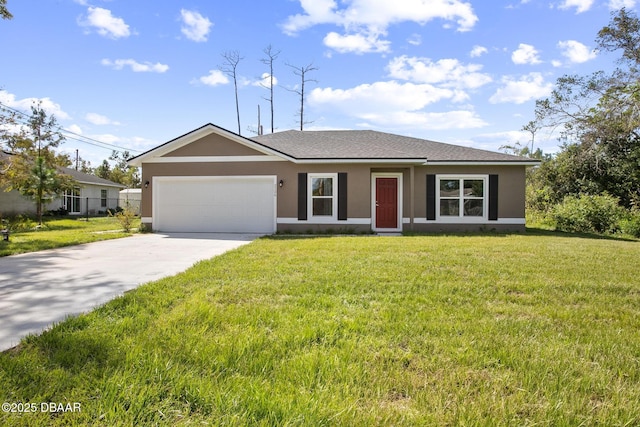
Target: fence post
point(87, 209)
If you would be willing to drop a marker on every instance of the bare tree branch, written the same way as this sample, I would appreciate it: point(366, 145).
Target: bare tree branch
point(271, 56)
point(302, 73)
point(230, 67)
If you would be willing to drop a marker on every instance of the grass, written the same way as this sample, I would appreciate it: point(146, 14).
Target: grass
point(526, 329)
point(60, 232)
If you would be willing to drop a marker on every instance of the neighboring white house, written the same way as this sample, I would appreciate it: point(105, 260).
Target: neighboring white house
point(92, 196)
point(131, 197)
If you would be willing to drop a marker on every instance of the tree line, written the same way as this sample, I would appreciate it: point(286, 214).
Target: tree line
point(593, 182)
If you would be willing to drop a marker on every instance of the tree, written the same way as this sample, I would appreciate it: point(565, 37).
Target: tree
point(230, 67)
point(123, 173)
point(33, 167)
point(119, 172)
point(271, 56)
point(599, 121)
point(4, 13)
point(302, 73)
point(104, 170)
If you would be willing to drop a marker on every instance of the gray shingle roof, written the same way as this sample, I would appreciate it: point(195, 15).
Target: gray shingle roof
point(86, 178)
point(369, 144)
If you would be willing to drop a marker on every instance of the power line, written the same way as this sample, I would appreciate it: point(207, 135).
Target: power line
point(76, 136)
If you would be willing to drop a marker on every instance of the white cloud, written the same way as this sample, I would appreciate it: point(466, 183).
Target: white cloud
point(525, 54)
point(99, 119)
point(445, 72)
point(379, 97)
point(137, 67)
point(75, 129)
point(458, 119)
point(380, 14)
point(356, 43)
point(195, 26)
point(25, 104)
point(265, 81)
point(580, 5)
point(105, 24)
point(364, 21)
point(619, 4)
point(576, 52)
point(394, 104)
point(478, 51)
point(415, 40)
point(214, 78)
point(519, 91)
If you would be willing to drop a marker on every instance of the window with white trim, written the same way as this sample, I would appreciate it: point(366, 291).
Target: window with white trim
point(323, 191)
point(71, 200)
point(460, 196)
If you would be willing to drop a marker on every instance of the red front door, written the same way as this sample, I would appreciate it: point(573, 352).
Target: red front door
point(386, 202)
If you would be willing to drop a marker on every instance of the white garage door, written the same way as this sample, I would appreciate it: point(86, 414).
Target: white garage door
point(239, 204)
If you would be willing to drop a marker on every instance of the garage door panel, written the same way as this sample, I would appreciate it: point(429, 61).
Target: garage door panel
point(215, 204)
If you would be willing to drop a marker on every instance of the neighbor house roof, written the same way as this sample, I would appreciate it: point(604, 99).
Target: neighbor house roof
point(81, 177)
point(85, 178)
point(343, 146)
point(374, 145)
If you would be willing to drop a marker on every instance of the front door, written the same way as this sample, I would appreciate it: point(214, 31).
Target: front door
point(386, 202)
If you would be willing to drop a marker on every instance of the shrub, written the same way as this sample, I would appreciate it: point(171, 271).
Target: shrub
point(631, 223)
point(114, 211)
point(57, 212)
point(19, 223)
point(588, 213)
point(124, 216)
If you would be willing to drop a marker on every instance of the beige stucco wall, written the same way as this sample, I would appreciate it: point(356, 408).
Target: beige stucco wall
point(510, 197)
point(511, 186)
point(511, 202)
point(213, 145)
point(358, 181)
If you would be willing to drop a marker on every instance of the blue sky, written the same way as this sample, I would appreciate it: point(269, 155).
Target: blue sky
point(136, 74)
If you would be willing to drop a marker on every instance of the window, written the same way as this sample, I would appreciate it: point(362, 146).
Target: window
point(461, 196)
point(322, 195)
point(72, 200)
point(103, 198)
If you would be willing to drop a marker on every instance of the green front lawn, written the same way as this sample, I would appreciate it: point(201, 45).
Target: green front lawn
point(528, 329)
point(58, 232)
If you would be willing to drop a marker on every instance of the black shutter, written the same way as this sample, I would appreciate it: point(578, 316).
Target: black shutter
point(493, 197)
point(431, 197)
point(342, 196)
point(302, 196)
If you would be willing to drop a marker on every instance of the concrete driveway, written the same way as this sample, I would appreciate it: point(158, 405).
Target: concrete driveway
point(40, 288)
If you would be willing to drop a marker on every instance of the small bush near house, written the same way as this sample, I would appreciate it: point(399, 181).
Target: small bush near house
point(113, 212)
point(587, 214)
point(125, 216)
point(57, 212)
point(18, 223)
point(631, 224)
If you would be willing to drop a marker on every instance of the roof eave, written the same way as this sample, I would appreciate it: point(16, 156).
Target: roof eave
point(484, 163)
point(100, 184)
point(418, 161)
point(199, 133)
